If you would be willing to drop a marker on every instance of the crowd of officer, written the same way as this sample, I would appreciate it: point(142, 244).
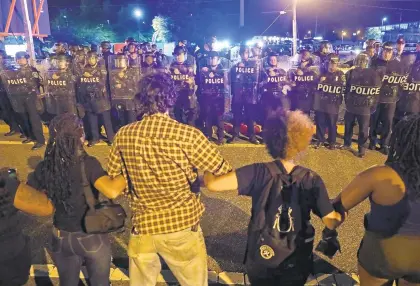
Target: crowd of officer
point(377, 88)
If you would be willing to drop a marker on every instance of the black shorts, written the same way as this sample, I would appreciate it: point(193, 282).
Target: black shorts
point(15, 271)
point(375, 252)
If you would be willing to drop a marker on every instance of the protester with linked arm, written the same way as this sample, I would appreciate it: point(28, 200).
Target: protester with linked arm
point(15, 250)
point(71, 179)
point(390, 248)
point(280, 235)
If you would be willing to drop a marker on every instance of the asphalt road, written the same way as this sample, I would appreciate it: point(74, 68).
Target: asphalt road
point(227, 215)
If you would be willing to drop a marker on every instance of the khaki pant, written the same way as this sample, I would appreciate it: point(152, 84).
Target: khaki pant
point(184, 252)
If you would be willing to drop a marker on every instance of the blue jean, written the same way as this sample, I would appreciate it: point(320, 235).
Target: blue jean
point(70, 249)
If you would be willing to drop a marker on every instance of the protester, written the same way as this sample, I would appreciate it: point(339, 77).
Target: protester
point(15, 251)
point(59, 174)
point(390, 248)
point(158, 157)
point(286, 136)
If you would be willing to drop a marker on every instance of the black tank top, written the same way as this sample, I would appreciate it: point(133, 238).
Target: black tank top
point(402, 218)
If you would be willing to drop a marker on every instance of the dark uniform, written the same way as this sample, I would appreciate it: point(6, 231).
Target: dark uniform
point(391, 72)
point(305, 78)
point(183, 75)
point(328, 99)
point(60, 87)
point(23, 89)
point(274, 84)
point(6, 110)
point(409, 102)
point(124, 87)
point(215, 93)
point(245, 79)
point(325, 49)
point(91, 91)
point(362, 93)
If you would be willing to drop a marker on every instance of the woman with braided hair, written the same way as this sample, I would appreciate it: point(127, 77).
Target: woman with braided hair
point(390, 249)
point(60, 175)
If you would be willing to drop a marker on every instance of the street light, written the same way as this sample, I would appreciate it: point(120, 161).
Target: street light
point(343, 33)
point(384, 19)
point(137, 13)
point(358, 32)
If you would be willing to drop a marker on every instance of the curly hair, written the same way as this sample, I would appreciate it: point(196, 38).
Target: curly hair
point(286, 134)
point(405, 151)
point(157, 93)
point(62, 152)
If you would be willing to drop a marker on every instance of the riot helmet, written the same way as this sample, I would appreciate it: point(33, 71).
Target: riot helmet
point(272, 60)
point(154, 48)
point(370, 51)
point(210, 42)
point(62, 62)
point(180, 52)
point(132, 48)
point(120, 62)
point(377, 46)
point(214, 59)
point(73, 49)
point(325, 48)
point(370, 43)
point(129, 40)
point(60, 48)
point(80, 57)
point(86, 49)
point(362, 60)
point(22, 58)
point(92, 58)
point(149, 58)
point(257, 50)
point(387, 51)
point(400, 45)
point(244, 53)
point(148, 46)
point(333, 60)
point(105, 46)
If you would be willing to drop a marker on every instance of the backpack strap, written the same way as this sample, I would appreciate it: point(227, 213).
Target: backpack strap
point(87, 190)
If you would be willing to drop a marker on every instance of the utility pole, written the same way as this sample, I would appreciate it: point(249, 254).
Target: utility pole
point(294, 28)
point(28, 31)
point(241, 13)
point(316, 25)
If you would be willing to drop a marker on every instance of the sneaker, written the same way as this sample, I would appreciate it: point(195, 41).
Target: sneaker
point(220, 141)
point(332, 146)
point(361, 154)
point(93, 143)
point(372, 146)
point(38, 146)
point(11, 133)
point(233, 139)
point(22, 136)
point(254, 140)
point(346, 148)
point(27, 140)
point(318, 145)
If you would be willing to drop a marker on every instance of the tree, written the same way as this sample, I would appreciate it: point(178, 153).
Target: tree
point(163, 27)
point(374, 33)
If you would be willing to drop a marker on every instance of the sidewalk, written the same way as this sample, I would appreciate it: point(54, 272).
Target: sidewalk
point(120, 275)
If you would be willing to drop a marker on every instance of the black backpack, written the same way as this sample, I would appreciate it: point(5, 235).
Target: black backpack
point(276, 218)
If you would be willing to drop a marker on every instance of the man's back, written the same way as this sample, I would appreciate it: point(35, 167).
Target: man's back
point(160, 155)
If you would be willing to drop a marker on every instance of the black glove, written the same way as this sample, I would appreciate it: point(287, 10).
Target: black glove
point(329, 245)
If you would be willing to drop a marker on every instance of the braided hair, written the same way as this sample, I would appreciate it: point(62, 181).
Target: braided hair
point(157, 93)
point(63, 150)
point(405, 151)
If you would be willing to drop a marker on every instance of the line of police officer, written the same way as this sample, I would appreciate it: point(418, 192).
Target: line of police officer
point(211, 89)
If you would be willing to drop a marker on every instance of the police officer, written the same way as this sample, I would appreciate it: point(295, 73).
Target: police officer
point(215, 94)
point(106, 51)
point(274, 85)
point(6, 110)
point(132, 54)
point(183, 74)
point(391, 72)
point(23, 87)
point(124, 80)
point(92, 95)
point(245, 80)
point(60, 48)
point(409, 102)
point(60, 86)
point(328, 98)
point(362, 93)
point(257, 51)
point(325, 49)
point(127, 41)
point(305, 78)
point(399, 48)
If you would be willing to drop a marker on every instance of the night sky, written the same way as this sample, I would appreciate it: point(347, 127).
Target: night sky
point(350, 15)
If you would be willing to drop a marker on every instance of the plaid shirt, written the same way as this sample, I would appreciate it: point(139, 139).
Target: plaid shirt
point(160, 155)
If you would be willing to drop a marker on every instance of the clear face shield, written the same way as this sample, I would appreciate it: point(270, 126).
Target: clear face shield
point(180, 58)
point(62, 64)
point(214, 61)
point(332, 66)
point(362, 61)
point(272, 61)
point(22, 62)
point(386, 54)
point(92, 60)
point(149, 60)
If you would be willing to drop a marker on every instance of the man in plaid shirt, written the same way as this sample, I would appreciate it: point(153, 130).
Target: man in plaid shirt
point(158, 157)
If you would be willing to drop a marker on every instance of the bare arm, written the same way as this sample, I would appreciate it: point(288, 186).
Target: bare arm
point(111, 187)
point(31, 201)
point(227, 182)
